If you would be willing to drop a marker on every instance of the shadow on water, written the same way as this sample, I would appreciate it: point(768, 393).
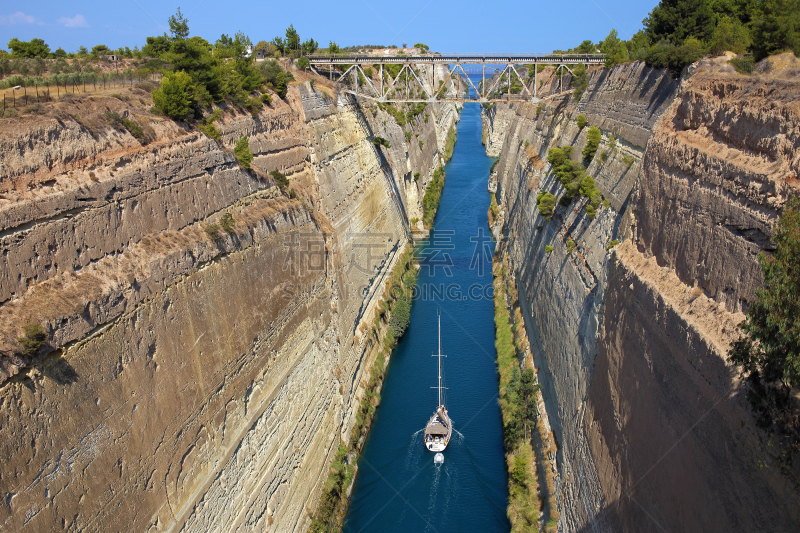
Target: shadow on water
point(398, 487)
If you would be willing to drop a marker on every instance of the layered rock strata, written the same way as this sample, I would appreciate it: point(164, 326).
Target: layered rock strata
point(195, 379)
point(630, 341)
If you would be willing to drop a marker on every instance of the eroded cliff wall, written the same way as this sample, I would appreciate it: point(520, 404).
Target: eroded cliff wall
point(630, 342)
point(194, 382)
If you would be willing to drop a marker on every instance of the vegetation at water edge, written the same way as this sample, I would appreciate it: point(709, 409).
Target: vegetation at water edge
point(433, 194)
point(518, 406)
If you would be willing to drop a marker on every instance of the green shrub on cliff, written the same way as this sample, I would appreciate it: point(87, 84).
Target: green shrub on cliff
point(227, 222)
point(32, 342)
point(675, 58)
point(743, 65)
point(592, 142)
point(280, 180)
point(242, 152)
point(212, 230)
point(589, 190)
point(380, 141)
point(211, 131)
point(398, 115)
point(768, 352)
point(581, 121)
point(569, 172)
point(546, 203)
point(175, 95)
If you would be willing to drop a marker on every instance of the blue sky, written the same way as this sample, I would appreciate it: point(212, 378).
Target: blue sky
point(445, 25)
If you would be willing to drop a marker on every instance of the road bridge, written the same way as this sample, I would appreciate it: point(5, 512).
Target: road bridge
point(422, 79)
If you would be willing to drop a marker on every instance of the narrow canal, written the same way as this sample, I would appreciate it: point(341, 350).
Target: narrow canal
point(398, 487)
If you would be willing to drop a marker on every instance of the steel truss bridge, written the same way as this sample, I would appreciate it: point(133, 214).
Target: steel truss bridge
point(416, 81)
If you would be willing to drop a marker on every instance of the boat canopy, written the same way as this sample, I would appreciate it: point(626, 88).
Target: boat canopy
point(436, 429)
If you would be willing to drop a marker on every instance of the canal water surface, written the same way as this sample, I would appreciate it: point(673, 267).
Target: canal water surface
point(398, 487)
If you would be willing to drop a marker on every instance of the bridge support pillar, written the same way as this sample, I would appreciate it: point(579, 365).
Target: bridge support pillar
point(508, 77)
point(483, 81)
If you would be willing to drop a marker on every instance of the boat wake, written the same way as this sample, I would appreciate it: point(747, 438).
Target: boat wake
point(415, 451)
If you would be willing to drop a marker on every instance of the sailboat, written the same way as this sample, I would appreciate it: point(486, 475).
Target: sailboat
point(440, 427)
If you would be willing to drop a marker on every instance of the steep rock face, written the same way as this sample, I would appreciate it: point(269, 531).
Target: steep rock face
point(715, 176)
point(718, 168)
point(630, 344)
point(194, 382)
point(563, 291)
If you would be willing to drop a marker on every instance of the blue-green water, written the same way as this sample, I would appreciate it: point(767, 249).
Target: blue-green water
point(398, 487)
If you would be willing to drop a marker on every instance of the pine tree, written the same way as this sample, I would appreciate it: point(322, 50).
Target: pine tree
point(769, 351)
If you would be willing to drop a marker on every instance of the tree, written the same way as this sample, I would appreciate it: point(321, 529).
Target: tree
point(586, 47)
point(777, 28)
point(83, 51)
point(179, 26)
point(638, 45)
point(769, 351)
point(310, 46)
point(730, 35)
point(675, 20)
point(292, 38)
point(175, 95)
point(100, 50)
point(333, 48)
point(210, 81)
point(279, 44)
point(60, 53)
point(275, 77)
point(261, 45)
point(33, 340)
point(32, 48)
point(156, 46)
point(665, 55)
point(303, 63)
point(615, 50)
point(422, 47)
point(241, 44)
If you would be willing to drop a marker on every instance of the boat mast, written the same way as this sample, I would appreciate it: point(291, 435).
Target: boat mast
point(440, 360)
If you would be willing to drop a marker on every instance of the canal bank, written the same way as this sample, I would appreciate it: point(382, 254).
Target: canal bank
point(398, 487)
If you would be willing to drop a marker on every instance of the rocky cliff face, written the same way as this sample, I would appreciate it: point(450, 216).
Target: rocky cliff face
point(194, 382)
point(630, 343)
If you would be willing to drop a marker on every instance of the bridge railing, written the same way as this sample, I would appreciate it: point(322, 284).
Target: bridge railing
point(459, 58)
